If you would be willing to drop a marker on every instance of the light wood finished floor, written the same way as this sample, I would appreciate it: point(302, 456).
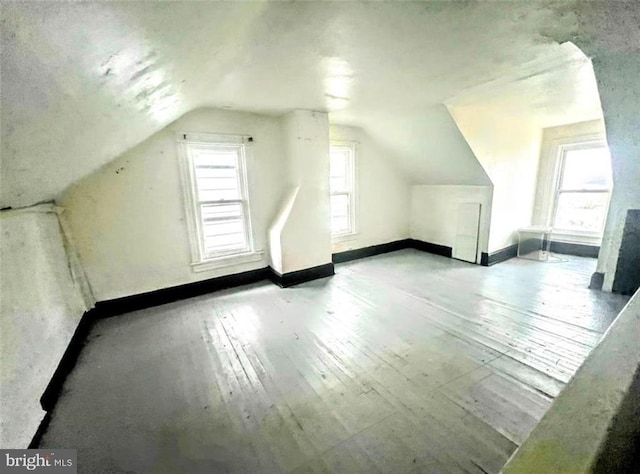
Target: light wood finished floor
point(405, 362)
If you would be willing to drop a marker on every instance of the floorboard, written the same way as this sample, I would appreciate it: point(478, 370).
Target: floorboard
point(404, 362)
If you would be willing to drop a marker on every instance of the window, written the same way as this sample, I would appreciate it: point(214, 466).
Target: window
point(583, 188)
point(342, 185)
point(216, 196)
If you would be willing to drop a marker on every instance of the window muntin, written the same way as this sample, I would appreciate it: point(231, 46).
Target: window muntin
point(220, 204)
point(582, 193)
point(342, 187)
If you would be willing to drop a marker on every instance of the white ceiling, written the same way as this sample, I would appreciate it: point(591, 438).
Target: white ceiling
point(547, 93)
point(82, 83)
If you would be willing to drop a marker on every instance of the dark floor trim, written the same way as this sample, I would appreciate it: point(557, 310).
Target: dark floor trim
point(301, 276)
point(597, 280)
point(348, 255)
point(431, 248)
point(42, 429)
point(175, 293)
point(421, 245)
point(579, 250)
point(501, 255)
point(626, 277)
point(68, 361)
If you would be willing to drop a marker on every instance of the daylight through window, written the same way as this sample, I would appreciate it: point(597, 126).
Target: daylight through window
point(582, 193)
point(342, 184)
point(220, 205)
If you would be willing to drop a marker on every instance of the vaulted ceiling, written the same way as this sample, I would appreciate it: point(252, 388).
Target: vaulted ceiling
point(84, 82)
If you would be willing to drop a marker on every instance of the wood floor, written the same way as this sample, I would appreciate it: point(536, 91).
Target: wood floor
point(405, 362)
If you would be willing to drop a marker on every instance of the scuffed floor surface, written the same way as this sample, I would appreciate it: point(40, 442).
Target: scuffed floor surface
point(405, 362)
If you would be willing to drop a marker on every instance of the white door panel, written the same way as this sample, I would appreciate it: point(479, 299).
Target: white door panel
point(466, 243)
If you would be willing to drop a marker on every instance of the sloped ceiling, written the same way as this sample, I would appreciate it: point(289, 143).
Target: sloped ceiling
point(555, 93)
point(84, 82)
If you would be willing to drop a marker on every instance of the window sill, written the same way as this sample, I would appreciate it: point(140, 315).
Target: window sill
point(576, 237)
point(344, 237)
point(227, 261)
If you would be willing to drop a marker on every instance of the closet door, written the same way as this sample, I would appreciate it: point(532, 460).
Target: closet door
point(466, 243)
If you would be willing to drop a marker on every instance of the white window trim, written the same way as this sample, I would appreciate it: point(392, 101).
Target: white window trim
point(561, 147)
point(200, 262)
point(353, 201)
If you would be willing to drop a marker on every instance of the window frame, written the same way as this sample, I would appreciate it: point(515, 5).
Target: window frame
point(352, 193)
point(561, 152)
point(200, 259)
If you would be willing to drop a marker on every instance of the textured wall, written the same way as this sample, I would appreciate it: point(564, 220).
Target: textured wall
point(608, 33)
point(617, 74)
point(129, 218)
point(40, 308)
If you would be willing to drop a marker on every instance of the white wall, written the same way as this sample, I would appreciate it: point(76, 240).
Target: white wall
point(383, 195)
point(305, 234)
point(129, 218)
point(40, 308)
point(429, 148)
point(434, 213)
point(508, 147)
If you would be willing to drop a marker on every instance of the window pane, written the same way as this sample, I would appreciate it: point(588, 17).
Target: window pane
point(339, 169)
point(342, 185)
point(581, 211)
point(589, 168)
point(340, 221)
point(217, 174)
point(215, 157)
point(218, 189)
point(223, 228)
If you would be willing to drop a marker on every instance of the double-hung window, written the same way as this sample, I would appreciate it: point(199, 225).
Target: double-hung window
point(583, 189)
point(342, 186)
point(216, 195)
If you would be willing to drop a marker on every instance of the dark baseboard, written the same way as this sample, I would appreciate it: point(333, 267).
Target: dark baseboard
point(499, 256)
point(533, 245)
point(68, 361)
point(597, 280)
point(42, 429)
point(349, 255)
point(431, 248)
point(421, 245)
point(626, 278)
point(176, 293)
point(579, 250)
point(301, 276)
